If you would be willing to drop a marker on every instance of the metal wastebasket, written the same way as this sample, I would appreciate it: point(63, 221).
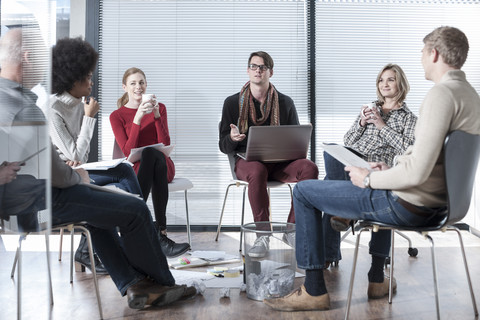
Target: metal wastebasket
point(273, 275)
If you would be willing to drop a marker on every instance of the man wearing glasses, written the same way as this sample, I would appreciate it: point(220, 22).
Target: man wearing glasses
point(260, 104)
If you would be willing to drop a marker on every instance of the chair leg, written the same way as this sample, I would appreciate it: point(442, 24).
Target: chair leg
point(72, 234)
point(352, 276)
point(434, 269)
point(61, 245)
point(392, 255)
point(92, 263)
point(18, 263)
point(223, 209)
point(269, 206)
point(49, 271)
point(243, 217)
point(17, 254)
point(472, 295)
point(346, 234)
point(404, 236)
point(188, 219)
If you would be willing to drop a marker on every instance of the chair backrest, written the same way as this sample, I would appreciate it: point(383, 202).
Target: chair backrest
point(117, 152)
point(231, 158)
point(461, 153)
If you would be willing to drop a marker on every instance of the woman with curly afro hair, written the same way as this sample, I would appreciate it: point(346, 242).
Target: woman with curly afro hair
point(72, 117)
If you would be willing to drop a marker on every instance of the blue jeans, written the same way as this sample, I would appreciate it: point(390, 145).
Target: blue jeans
point(312, 197)
point(128, 257)
point(121, 176)
point(334, 170)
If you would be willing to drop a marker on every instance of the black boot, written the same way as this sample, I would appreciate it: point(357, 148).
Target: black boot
point(82, 258)
point(170, 248)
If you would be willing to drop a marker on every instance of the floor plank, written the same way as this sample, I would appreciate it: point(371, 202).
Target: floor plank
point(414, 298)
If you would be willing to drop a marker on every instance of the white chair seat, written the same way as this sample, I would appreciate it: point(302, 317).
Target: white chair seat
point(180, 184)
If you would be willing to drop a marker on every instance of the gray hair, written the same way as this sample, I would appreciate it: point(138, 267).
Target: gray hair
point(11, 47)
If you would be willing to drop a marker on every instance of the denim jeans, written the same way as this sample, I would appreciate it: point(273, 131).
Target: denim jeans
point(128, 257)
point(312, 197)
point(121, 176)
point(334, 170)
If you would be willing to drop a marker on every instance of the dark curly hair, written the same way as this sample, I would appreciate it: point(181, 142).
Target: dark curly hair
point(72, 60)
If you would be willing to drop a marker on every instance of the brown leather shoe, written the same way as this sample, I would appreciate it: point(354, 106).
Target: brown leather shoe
point(377, 290)
point(147, 292)
point(190, 292)
point(340, 224)
point(299, 300)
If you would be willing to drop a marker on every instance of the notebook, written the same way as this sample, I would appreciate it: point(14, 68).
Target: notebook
point(345, 156)
point(277, 143)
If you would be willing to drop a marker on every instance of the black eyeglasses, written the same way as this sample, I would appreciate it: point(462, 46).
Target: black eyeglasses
point(256, 66)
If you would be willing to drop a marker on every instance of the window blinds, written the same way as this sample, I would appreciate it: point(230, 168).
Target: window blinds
point(195, 54)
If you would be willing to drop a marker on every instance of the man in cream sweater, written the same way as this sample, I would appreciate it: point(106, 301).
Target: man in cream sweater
point(412, 192)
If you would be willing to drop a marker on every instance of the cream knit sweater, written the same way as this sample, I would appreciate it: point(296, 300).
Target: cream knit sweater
point(71, 131)
point(418, 177)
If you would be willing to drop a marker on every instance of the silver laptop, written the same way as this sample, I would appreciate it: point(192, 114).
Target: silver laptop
point(277, 143)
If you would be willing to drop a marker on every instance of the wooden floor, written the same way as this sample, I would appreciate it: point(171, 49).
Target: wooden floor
point(414, 299)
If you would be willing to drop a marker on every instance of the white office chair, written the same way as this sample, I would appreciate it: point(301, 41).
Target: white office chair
point(240, 183)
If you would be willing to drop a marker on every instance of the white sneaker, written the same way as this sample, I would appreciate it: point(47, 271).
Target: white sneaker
point(289, 238)
point(260, 247)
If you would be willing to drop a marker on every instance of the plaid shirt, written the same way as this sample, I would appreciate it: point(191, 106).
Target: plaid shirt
point(383, 145)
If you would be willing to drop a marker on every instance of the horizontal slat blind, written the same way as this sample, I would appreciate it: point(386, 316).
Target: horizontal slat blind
point(355, 39)
point(195, 54)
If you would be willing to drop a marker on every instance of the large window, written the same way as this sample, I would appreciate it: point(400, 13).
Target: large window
point(195, 54)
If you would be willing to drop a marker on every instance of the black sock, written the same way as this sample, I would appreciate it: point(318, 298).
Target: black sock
point(376, 270)
point(314, 282)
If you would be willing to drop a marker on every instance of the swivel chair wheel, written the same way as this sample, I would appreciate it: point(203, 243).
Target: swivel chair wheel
point(412, 252)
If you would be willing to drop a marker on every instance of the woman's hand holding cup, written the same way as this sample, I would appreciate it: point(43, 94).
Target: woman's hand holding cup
point(367, 113)
point(149, 101)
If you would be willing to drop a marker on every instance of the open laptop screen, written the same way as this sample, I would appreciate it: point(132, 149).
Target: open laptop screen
point(277, 143)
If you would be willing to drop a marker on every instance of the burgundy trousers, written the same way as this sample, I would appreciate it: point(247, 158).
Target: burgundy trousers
point(258, 173)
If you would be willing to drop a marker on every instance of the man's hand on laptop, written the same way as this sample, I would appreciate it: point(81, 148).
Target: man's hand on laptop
point(235, 134)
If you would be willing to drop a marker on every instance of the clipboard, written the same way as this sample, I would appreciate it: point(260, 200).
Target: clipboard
point(345, 156)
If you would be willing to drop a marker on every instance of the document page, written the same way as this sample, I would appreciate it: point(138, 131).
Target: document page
point(101, 165)
point(136, 153)
point(345, 156)
point(112, 189)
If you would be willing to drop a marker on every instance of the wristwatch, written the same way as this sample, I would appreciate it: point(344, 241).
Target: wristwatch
point(366, 181)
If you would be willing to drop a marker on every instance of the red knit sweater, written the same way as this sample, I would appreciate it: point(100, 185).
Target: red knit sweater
point(129, 135)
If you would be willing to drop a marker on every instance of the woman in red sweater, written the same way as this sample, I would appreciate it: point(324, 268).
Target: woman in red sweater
point(139, 123)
